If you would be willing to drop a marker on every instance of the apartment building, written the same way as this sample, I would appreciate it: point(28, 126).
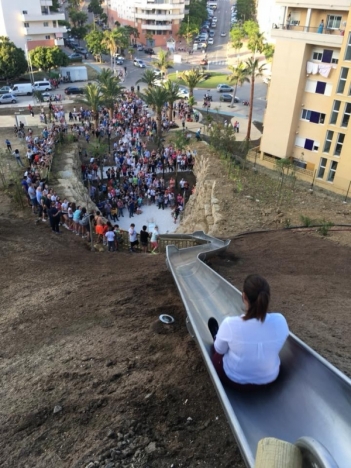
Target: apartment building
point(309, 100)
point(157, 19)
point(30, 23)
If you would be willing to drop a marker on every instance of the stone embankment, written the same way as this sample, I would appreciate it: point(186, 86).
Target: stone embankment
point(68, 179)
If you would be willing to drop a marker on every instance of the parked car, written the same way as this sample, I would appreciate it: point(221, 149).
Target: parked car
point(183, 93)
point(5, 90)
point(224, 88)
point(118, 61)
point(211, 41)
point(211, 33)
point(75, 57)
point(149, 51)
point(140, 48)
point(7, 99)
point(46, 96)
point(226, 97)
point(81, 50)
point(74, 90)
point(139, 63)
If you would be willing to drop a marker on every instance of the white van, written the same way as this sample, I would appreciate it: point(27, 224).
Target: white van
point(22, 89)
point(42, 86)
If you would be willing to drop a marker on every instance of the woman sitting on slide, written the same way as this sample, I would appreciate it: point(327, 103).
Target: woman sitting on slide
point(247, 347)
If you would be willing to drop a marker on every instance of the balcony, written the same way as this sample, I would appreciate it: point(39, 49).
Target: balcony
point(44, 30)
point(157, 27)
point(329, 37)
point(343, 5)
point(154, 16)
point(43, 17)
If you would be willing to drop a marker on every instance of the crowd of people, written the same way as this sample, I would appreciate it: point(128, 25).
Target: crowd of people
point(126, 179)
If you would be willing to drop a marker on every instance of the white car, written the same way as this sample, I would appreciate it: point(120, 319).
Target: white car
point(210, 41)
point(223, 34)
point(214, 18)
point(7, 99)
point(183, 93)
point(139, 63)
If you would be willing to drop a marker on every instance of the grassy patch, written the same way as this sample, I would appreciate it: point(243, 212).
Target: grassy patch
point(212, 82)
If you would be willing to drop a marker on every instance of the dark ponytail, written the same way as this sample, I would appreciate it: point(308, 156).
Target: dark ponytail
point(258, 294)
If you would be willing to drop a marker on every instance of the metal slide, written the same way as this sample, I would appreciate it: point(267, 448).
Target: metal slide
point(311, 399)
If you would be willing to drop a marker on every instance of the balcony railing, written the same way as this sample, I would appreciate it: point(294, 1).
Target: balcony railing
point(309, 29)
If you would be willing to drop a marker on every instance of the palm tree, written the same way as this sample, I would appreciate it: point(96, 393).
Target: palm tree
point(173, 94)
point(191, 78)
point(238, 77)
point(109, 41)
point(110, 89)
point(254, 70)
point(256, 42)
point(156, 98)
point(93, 100)
point(148, 77)
point(163, 62)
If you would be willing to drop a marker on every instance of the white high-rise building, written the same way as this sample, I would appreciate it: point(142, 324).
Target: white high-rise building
point(29, 23)
point(268, 14)
point(159, 19)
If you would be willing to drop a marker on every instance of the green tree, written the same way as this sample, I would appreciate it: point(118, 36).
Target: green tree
point(94, 43)
point(55, 6)
point(269, 52)
point(132, 33)
point(256, 42)
point(148, 77)
point(109, 43)
point(93, 99)
point(238, 77)
point(46, 58)
point(156, 98)
point(110, 89)
point(80, 32)
point(13, 62)
point(246, 9)
point(254, 70)
point(149, 38)
point(237, 35)
point(221, 138)
point(191, 78)
point(188, 30)
point(73, 4)
point(163, 62)
point(78, 18)
point(95, 7)
point(173, 94)
point(250, 27)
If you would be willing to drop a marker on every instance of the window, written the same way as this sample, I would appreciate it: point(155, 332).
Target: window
point(332, 170)
point(46, 24)
point(317, 56)
point(348, 49)
point(26, 25)
point(322, 167)
point(25, 12)
point(320, 87)
point(312, 116)
point(328, 141)
point(339, 143)
point(306, 114)
point(342, 80)
point(346, 116)
point(335, 112)
point(54, 24)
point(47, 37)
point(327, 56)
point(333, 22)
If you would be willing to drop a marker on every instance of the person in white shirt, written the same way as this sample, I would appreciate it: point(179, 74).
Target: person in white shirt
point(247, 347)
point(132, 237)
point(110, 236)
point(154, 240)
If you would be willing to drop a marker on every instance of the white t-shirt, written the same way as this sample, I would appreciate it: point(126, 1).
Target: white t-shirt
point(154, 236)
point(110, 236)
point(132, 235)
point(251, 348)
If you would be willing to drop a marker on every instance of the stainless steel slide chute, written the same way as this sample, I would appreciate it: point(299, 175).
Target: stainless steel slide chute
point(311, 399)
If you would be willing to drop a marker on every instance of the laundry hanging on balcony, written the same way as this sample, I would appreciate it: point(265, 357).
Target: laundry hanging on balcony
point(324, 69)
point(312, 68)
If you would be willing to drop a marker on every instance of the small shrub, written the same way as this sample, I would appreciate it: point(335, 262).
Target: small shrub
point(287, 222)
point(306, 221)
point(325, 226)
